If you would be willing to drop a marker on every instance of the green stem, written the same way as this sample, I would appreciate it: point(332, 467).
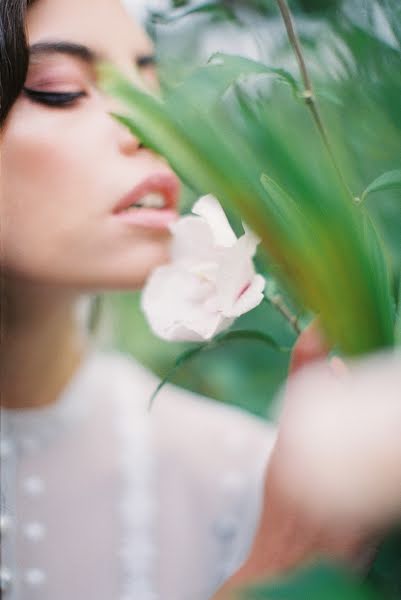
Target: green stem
point(185, 357)
point(278, 303)
point(217, 342)
point(308, 93)
point(397, 326)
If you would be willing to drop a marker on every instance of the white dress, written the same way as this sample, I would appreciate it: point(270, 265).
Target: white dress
point(102, 499)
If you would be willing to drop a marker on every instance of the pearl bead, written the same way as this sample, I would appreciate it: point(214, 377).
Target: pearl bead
point(225, 528)
point(33, 485)
point(5, 524)
point(34, 531)
point(5, 448)
point(233, 482)
point(35, 577)
point(29, 444)
point(5, 579)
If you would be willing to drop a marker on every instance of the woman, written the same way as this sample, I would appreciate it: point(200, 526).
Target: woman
point(99, 498)
point(98, 501)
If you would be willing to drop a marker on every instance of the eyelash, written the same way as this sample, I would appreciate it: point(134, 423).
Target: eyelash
point(54, 99)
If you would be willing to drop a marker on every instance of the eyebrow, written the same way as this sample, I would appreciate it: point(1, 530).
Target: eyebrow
point(82, 52)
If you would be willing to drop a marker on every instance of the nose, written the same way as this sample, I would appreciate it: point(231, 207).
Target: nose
point(128, 144)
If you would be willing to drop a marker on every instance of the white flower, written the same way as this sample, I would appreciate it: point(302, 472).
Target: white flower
point(210, 281)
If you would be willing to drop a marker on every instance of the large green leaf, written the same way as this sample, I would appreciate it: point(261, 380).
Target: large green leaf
point(221, 142)
point(397, 326)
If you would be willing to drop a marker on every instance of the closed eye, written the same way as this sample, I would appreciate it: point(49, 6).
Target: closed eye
point(55, 99)
point(146, 60)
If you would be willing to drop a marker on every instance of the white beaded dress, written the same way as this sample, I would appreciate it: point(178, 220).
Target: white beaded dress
point(102, 499)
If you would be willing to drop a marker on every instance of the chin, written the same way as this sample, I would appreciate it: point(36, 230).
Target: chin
point(122, 268)
point(130, 274)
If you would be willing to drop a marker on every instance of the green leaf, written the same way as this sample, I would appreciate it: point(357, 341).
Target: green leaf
point(286, 208)
point(181, 360)
point(150, 120)
point(379, 294)
point(317, 582)
point(246, 334)
point(388, 181)
point(385, 570)
point(392, 9)
point(206, 86)
point(397, 326)
point(215, 9)
point(241, 66)
point(217, 342)
point(312, 231)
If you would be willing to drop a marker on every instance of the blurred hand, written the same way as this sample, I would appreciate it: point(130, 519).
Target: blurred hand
point(339, 441)
point(309, 347)
point(288, 534)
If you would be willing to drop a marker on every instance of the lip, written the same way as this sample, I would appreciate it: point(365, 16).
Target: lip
point(156, 219)
point(166, 184)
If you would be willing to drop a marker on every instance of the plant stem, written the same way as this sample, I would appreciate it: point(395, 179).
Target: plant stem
point(397, 326)
point(308, 93)
point(278, 303)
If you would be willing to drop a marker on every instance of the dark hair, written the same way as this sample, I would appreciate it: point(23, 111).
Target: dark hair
point(14, 54)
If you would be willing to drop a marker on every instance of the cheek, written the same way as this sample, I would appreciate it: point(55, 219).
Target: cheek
point(61, 175)
point(48, 184)
point(43, 158)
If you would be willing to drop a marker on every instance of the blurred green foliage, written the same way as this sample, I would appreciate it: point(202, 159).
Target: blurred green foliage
point(327, 581)
point(355, 62)
point(246, 374)
point(354, 52)
point(317, 582)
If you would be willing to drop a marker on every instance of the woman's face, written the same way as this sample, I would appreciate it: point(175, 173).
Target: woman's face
point(65, 168)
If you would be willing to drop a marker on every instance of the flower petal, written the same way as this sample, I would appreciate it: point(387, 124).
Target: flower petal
point(251, 235)
point(236, 273)
point(210, 210)
point(251, 298)
point(174, 301)
point(210, 281)
point(192, 239)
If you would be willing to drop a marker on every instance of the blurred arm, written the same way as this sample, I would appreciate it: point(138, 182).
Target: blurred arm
point(334, 478)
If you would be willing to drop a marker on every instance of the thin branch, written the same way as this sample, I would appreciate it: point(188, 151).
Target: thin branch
point(279, 304)
point(308, 93)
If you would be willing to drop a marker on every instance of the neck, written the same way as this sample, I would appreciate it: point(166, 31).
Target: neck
point(42, 343)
